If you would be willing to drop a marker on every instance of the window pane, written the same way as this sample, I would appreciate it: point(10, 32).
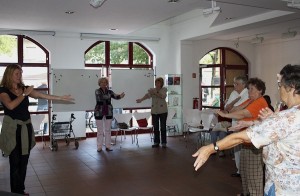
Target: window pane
point(8, 49)
point(233, 59)
point(33, 53)
point(140, 56)
point(96, 55)
point(231, 73)
point(35, 76)
point(119, 52)
point(211, 97)
point(213, 57)
point(210, 76)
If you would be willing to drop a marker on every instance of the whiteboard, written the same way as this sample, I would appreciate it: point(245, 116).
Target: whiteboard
point(80, 83)
point(134, 83)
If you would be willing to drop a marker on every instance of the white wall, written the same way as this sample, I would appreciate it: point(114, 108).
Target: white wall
point(271, 58)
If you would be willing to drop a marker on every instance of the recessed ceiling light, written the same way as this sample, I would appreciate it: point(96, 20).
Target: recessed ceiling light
point(113, 29)
point(69, 12)
point(173, 1)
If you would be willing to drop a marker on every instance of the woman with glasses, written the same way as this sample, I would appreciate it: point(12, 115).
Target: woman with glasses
point(278, 134)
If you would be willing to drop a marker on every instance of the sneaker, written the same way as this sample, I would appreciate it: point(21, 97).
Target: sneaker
point(164, 145)
point(99, 150)
point(155, 145)
point(108, 149)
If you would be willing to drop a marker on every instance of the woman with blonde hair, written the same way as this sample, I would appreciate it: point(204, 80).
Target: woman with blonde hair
point(104, 113)
point(17, 135)
point(159, 111)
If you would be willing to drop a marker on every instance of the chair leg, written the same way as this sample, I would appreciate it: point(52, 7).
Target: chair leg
point(137, 139)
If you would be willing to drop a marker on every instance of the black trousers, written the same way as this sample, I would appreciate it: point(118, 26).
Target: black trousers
point(18, 164)
point(160, 119)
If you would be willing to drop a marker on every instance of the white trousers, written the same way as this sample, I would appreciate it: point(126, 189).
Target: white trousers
point(103, 130)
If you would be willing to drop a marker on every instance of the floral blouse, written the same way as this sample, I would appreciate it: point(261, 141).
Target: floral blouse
point(279, 136)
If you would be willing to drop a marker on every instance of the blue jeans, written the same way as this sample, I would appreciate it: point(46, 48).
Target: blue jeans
point(271, 191)
point(160, 119)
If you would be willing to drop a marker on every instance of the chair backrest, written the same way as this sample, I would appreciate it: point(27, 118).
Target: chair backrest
point(123, 118)
point(141, 115)
point(171, 114)
point(36, 121)
point(192, 116)
point(207, 120)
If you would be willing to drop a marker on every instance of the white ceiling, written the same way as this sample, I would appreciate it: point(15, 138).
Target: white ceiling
point(129, 16)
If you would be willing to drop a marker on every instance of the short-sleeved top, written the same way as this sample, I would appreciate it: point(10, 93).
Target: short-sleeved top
point(280, 137)
point(233, 95)
point(159, 104)
point(255, 107)
point(21, 112)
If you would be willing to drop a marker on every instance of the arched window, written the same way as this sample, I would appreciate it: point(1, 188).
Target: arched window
point(34, 59)
point(118, 54)
point(217, 71)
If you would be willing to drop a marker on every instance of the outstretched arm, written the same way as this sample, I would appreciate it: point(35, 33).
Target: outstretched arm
point(228, 142)
point(143, 98)
point(38, 95)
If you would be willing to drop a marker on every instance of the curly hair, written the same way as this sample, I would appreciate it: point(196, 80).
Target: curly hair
point(258, 83)
point(291, 77)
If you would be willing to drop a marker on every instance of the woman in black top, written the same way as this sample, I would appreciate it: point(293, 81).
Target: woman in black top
point(104, 113)
point(17, 136)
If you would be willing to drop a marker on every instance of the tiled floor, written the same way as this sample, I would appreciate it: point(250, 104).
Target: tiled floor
point(126, 171)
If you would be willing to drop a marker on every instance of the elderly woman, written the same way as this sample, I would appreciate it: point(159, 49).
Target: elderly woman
point(279, 136)
point(159, 111)
point(104, 113)
point(251, 164)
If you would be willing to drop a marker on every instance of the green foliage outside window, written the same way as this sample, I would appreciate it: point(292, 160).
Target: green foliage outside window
point(139, 55)
point(8, 44)
point(96, 55)
point(118, 52)
point(212, 57)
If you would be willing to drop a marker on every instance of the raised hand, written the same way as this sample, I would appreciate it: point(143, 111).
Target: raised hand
point(202, 155)
point(265, 113)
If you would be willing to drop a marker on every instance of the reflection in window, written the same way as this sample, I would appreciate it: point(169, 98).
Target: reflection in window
point(8, 49)
point(96, 55)
point(211, 97)
point(35, 76)
point(213, 57)
point(33, 53)
point(210, 76)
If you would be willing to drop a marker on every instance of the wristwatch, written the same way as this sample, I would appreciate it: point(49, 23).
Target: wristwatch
point(216, 148)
